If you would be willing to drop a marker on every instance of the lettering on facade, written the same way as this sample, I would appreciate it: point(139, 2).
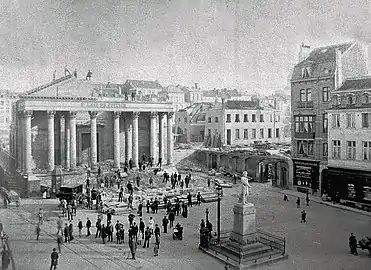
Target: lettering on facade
point(103, 105)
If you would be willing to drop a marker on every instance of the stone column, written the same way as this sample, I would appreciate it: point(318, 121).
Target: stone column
point(93, 140)
point(62, 138)
point(20, 144)
point(135, 138)
point(67, 143)
point(128, 137)
point(161, 137)
point(27, 141)
point(116, 140)
point(51, 158)
point(217, 162)
point(122, 139)
point(153, 137)
point(73, 151)
point(170, 143)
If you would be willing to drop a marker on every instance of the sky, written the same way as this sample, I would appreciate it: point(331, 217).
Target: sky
point(245, 44)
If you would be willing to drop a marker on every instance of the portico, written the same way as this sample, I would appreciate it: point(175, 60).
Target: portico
point(70, 131)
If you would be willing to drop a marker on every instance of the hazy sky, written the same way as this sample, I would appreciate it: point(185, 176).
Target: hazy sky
point(250, 44)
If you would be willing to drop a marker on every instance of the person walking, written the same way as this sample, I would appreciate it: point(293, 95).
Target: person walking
point(151, 224)
point(171, 218)
point(165, 222)
point(88, 226)
point(66, 233)
point(307, 199)
point(41, 216)
point(199, 198)
point(142, 227)
point(298, 202)
point(54, 259)
point(157, 234)
point(70, 230)
point(69, 212)
point(285, 198)
point(147, 236)
point(353, 244)
point(133, 247)
point(303, 216)
point(38, 231)
point(59, 224)
point(59, 241)
point(79, 225)
point(189, 198)
point(103, 233)
point(156, 248)
point(98, 225)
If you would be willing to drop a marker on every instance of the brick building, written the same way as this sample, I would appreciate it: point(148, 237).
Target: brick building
point(349, 137)
point(314, 78)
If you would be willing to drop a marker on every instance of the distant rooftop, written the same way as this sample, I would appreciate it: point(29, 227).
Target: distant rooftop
point(356, 84)
point(328, 53)
point(144, 84)
point(241, 104)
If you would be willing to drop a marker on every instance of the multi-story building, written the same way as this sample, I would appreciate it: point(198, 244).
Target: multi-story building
point(190, 123)
point(349, 138)
point(193, 95)
point(7, 99)
point(313, 80)
point(174, 94)
point(139, 89)
point(237, 122)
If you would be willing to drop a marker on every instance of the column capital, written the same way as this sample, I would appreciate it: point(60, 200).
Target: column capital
point(135, 114)
point(116, 114)
point(161, 114)
point(27, 113)
point(50, 113)
point(154, 114)
point(93, 114)
point(170, 114)
point(73, 114)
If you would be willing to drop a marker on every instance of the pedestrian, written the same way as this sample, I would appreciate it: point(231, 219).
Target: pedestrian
point(303, 216)
point(103, 233)
point(189, 198)
point(307, 199)
point(70, 230)
point(157, 233)
point(148, 205)
point(140, 209)
point(199, 198)
point(171, 218)
point(298, 202)
point(109, 229)
point(151, 224)
point(41, 216)
point(98, 225)
point(69, 212)
point(109, 216)
point(88, 226)
point(131, 217)
point(133, 247)
point(165, 221)
point(59, 224)
point(353, 244)
point(156, 248)
point(59, 241)
point(54, 259)
point(285, 198)
point(117, 228)
point(80, 227)
point(147, 236)
point(142, 227)
point(38, 231)
point(66, 233)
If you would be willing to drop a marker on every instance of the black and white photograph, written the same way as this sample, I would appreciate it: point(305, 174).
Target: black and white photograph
point(185, 134)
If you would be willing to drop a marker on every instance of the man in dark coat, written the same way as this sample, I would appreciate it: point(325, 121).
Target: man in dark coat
point(353, 244)
point(131, 218)
point(66, 233)
point(189, 198)
point(171, 218)
point(165, 221)
point(70, 230)
point(142, 227)
point(54, 259)
point(104, 233)
point(88, 226)
point(98, 225)
point(147, 236)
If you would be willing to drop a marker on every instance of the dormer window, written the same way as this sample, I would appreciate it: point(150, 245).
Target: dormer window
point(365, 98)
point(351, 99)
point(335, 100)
point(306, 72)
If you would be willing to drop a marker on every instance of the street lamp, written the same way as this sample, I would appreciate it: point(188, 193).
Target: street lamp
point(219, 190)
point(207, 215)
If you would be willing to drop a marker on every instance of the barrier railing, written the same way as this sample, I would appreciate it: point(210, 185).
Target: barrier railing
point(272, 240)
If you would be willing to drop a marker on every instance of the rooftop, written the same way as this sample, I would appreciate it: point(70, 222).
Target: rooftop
point(356, 84)
point(143, 84)
point(241, 104)
point(328, 53)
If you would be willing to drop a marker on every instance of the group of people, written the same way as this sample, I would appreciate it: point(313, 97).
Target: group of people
point(298, 203)
point(176, 179)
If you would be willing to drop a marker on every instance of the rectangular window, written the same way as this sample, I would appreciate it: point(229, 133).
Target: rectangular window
point(245, 118)
point(228, 118)
point(261, 133)
point(253, 118)
point(305, 95)
point(245, 134)
point(253, 133)
point(336, 120)
point(209, 120)
point(237, 118)
point(351, 150)
point(325, 149)
point(351, 121)
point(305, 147)
point(365, 120)
point(237, 134)
point(277, 132)
point(216, 120)
point(304, 124)
point(309, 95)
point(302, 95)
point(325, 123)
point(261, 118)
point(367, 150)
point(269, 133)
point(325, 94)
point(336, 149)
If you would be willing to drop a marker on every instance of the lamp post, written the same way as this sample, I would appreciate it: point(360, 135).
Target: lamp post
point(207, 214)
point(219, 190)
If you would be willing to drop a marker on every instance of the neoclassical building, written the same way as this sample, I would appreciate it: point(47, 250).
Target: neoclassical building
point(71, 122)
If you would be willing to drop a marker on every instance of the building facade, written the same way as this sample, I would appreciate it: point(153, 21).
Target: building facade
point(242, 123)
point(7, 99)
point(140, 89)
point(175, 95)
point(60, 123)
point(313, 80)
point(349, 137)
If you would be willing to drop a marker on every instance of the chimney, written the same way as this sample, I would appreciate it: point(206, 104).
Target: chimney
point(304, 52)
point(339, 69)
point(196, 85)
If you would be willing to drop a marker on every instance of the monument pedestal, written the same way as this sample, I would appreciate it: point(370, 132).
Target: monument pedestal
point(244, 230)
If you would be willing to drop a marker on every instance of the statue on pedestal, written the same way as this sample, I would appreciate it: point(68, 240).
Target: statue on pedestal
point(245, 187)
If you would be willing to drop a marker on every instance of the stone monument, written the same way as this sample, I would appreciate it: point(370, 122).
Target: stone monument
point(244, 230)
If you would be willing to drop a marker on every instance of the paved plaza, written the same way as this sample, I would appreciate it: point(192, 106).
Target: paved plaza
point(321, 243)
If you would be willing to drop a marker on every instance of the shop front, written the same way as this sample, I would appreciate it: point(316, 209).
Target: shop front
point(306, 175)
point(351, 185)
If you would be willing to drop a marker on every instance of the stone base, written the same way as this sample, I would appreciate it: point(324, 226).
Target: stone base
point(244, 231)
point(33, 184)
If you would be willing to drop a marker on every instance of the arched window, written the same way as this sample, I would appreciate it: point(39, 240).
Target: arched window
point(366, 98)
point(335, 100)
point(351, 99)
